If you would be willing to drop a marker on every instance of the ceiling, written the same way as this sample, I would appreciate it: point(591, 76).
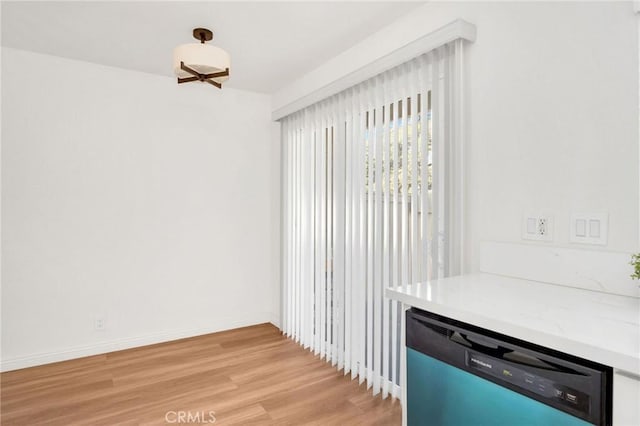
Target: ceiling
point(271, 43)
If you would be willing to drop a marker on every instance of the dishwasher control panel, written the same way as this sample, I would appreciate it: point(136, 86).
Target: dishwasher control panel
point(518, 376)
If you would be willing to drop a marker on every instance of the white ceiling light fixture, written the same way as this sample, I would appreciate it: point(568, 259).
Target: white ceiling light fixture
point(200, 61)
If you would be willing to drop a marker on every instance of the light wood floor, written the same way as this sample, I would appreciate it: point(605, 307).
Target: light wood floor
point(250, 375)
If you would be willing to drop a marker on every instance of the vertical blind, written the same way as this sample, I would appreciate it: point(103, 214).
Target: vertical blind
point(368, 178)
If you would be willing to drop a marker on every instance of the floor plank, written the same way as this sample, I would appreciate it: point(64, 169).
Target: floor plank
point(247, 376)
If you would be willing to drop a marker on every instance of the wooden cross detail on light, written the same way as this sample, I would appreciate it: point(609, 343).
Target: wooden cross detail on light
point(207, 78)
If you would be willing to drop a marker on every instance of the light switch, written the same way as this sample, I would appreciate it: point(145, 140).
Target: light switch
point(531, 225)
point(589, 228)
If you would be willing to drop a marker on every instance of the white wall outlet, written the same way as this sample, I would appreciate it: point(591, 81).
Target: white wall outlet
point(100, 323)
point(589, 228)
point(537, 227)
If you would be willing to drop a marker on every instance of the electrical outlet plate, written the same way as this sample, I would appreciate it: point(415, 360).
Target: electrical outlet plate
point(100, 323)
point(537, 227)
point(589, 228)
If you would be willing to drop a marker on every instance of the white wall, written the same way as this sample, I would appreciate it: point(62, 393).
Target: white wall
point(128, 196)
point(552, 112)
point(276, 220)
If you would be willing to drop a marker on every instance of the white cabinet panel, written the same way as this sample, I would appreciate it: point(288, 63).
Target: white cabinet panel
point(626, 399)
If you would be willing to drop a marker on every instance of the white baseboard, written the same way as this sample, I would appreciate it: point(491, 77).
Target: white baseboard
point(132, 342)
point(275, 320)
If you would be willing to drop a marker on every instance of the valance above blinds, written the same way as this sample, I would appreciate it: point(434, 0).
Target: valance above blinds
point(372, 199)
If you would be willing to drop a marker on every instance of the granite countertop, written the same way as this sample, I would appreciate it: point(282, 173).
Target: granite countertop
point(601, 327)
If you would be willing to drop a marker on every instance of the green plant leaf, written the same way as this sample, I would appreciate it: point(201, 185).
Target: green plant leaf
point(635, 262)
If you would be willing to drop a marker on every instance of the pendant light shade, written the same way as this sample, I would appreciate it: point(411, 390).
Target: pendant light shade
point(203, 58)
point(200, 61)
